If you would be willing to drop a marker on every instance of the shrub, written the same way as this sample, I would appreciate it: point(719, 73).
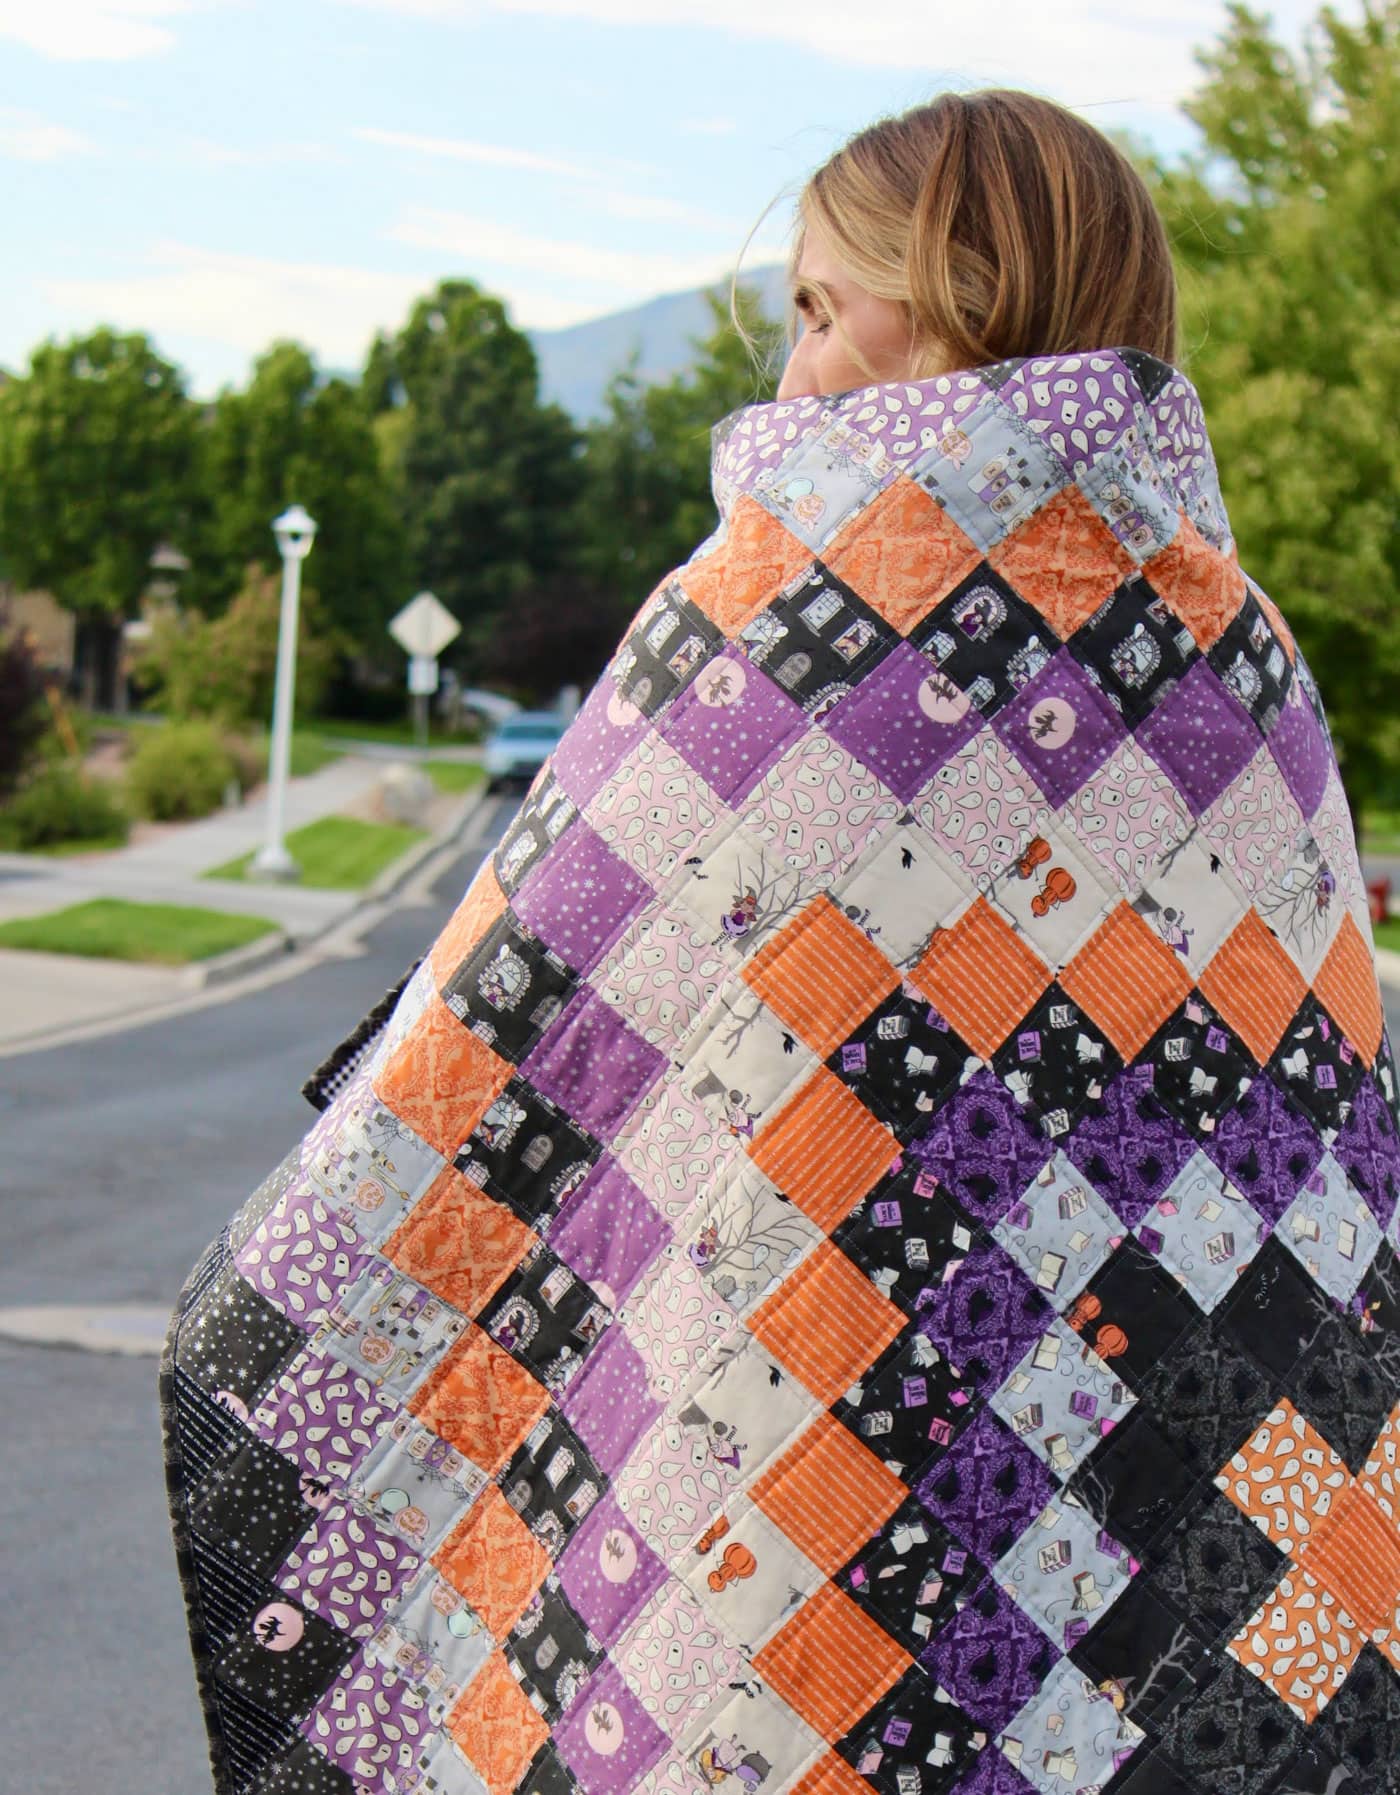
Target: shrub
point(22, 714)
point(62, 804)
point(249, 756)
point(178, 771)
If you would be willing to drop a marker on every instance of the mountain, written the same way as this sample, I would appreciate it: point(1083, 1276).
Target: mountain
point(577, 362)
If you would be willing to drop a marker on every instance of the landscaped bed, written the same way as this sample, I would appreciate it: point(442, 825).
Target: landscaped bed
point(336, 853)
point(116, 929)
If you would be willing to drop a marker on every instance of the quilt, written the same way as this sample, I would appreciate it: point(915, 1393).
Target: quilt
point(864, 1256)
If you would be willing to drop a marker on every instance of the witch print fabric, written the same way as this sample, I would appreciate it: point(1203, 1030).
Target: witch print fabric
point(864, 1258)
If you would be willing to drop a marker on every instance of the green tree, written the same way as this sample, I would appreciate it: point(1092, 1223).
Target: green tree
point(1290, 276)
point(96, 470)
point(485, 473)
point(291, 437)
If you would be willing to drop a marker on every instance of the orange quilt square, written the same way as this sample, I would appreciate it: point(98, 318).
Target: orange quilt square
point(1126, 979)
point(830, 1774)
point(821, 975)
point(826, 1322)
point(831, 1663)
point(480, 1401)
point(1064, 560)
point(1346, 983)
point(824, 1149)
point(497, 1726)
point(1301, 1643)
point(459, 1242)
point(1254, 984)
point(981, 975)
point(493, 1560)
point(903, 554)
point(441, 1079)
point(1203, 587)
point(482, 902)
point(747, 570)
point(829, 1493)
point(1355, 1552)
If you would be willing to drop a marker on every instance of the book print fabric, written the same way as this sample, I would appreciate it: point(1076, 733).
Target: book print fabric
point(865, 1255)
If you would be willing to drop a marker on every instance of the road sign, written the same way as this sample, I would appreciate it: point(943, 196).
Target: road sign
point(424, 626)
point(422, 675)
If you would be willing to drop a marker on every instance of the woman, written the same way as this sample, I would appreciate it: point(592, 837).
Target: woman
point(865, 1254)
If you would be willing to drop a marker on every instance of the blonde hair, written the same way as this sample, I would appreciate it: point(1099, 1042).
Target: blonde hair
point(1005, 224)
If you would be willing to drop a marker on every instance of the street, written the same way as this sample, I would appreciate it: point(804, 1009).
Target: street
point(123, 1157)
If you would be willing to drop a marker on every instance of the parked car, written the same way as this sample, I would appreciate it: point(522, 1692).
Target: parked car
point(517, 748)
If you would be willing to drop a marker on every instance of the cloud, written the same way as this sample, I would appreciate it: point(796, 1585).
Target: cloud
point(91, 30)
point(457, 149)
point(25, 137)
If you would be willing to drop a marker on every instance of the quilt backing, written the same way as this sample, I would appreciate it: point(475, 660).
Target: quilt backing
point(865, 1255)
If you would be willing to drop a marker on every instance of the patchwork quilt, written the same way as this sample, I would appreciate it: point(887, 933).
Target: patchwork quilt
point(864, 1257)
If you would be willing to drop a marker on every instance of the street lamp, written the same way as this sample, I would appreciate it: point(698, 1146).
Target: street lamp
point(295, 532)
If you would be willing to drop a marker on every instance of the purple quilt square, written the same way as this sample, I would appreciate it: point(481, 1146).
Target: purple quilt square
point(370, 1721)
point(991, 1657)
point(601, 732)
point(607, 1738)
point(323, 1414)
point(298, 1238)
point(1300, 750)
point(1202, 736)
point(608, 1231)
point(906, 426)
point(579, 897)
point(731, 723)
point(903, 720)
point(1129, 1147)
point(987, 1487)
point(592, 1064)
point(1064, 406)
point(1060, 726)
point(1368, 1152)
point(608, 1570)
point(1267, 1147)
point(609, 1404)
point(985, 1315)
point(346, 1569)
point(981, 1147)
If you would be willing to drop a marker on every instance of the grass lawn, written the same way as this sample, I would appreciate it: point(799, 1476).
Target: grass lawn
point(455, 775)
point(399, 732)
point(1388, 933)
point(113, 929)
point(336, 853)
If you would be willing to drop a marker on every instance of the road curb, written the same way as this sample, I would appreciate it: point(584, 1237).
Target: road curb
point(238, 960)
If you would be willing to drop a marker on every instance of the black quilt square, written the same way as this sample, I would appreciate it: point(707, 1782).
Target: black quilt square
point(1273, 1310)
point(1251, 660)
point(1317, 1065)
point(1145, 1653)
point(986, 639)
point(303, 1770)
point(233, 1341)
point(1056, 1061)
point(670, 639)
point(912, 1575)
point(547, 1316)
point(546, 1774)
point(252, 1506)
point(1200, 1067)
point(901, 1062)
point(817, 639)
point(1134, 1482)
point(905, 1232)
point(912, 1740)
point(1361, 1724)
point(284, 1657)
point(1215, 1564)
point(1150, 371)
point(527, 1152)
point(1134, 649)
point(1377, 1306)
point(1206, 1397)
point(544, 814)
point(909, 1405)
point(510, 988)
point(552, 1481)
point(1338, 1386)
point(1132, 1311)
point(551, 1649)
point(1237, 1735)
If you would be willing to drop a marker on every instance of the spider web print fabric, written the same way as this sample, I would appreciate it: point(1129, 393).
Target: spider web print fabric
point(864, 1258)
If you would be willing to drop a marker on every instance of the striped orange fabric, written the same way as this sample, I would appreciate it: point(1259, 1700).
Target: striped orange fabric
point(1346, 983)
point(441, 1078)
point(1064, 559)
point(826, 1323)
point(1254, 984)
point(1126, 979)
point(824, 1149)
point(903, 553)
point(496, 1726)
point(829, 1493)
point(981, 975)
point(494, 1560)
point(831, 1662)
point(821, 975)
point(830, 1775)
point(1355, 1552)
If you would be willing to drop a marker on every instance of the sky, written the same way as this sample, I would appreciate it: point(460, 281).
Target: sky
point(224, 173)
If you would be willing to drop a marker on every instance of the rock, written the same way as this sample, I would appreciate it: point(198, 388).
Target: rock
point(404, 794)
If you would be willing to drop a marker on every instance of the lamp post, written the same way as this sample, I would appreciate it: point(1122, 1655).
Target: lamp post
point(295, 532)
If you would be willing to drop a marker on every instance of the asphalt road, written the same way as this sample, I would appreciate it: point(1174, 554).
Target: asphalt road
point(121, 1158)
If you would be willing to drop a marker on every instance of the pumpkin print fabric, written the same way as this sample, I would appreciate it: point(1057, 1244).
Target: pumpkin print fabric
point(865, 1255)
